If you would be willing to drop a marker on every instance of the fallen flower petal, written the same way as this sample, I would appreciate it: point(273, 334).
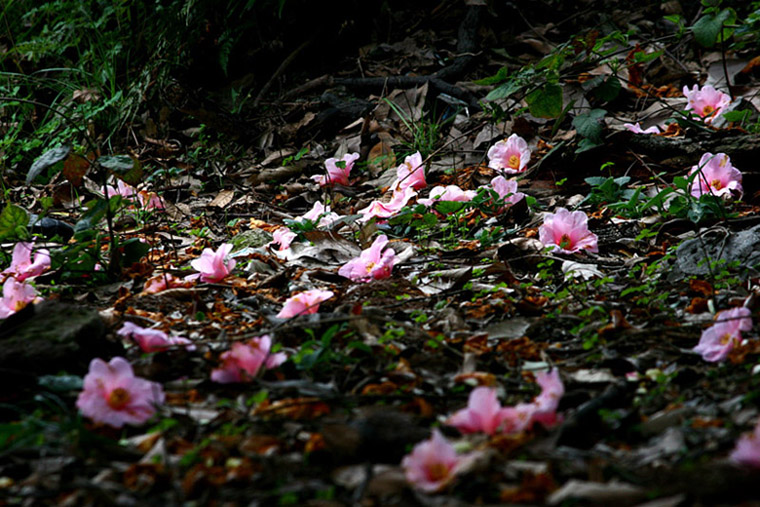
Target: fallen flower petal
point(212, 265)
point(747, 450)
point(22, 266)
point(410, 174)
point(719, 340)
point(448, 193)
point(16, 295)
point(337, 175)
point(510, 156)
point(283, 237)
point(152, 340)
point(636, 129)
point(372, 263)
point(707, 102)
point(483, 413)
point(244, 360)
point(433, 464)
point(507, 191)
point(112, 394)
point(379, 209)
point(567, 232)
point(304, 303)
point(716, 176)
point(321, 214)
point(162, 282)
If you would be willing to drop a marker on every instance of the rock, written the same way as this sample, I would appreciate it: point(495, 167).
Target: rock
point(694, 255)
point(50, 337)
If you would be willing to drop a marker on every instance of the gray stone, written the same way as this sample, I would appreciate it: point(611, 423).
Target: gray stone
point(693, 256)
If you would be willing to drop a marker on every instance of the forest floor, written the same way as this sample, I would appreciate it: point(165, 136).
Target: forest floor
point(474, 298)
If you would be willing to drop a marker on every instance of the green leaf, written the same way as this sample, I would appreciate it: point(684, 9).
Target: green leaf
point(546, 102)
point(590, 125)
point(642, 57)
point(499, 77)
point(132, 251)
point(707, 29)
point(608, 90)
point(448, 207)
point(49, 158)
point(503, 91)
point(95, 213)
point(741, 115)
point(124, 167)
point(585, 145)
point(13, 222)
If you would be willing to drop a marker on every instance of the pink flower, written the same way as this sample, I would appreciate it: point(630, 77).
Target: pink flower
point(433, 464)
point(567, 232)
point(507, 190)
point(304, 303)
point(706, 103)
point(152, 340)
point(379, 209)
point(22, 266)
point(449, 193)
point(372, 263)
point(636, 129)
point(718, 340)
point(321, 213)
point(212, 265)
point(747, 450)
point(162, 282)
point(410, 174)
point(113, 395)
point(510, 156)
point(283, 237)
point(150, 200)
point(716, 176)
point(122, 189)
point(16, 295)
point(546, 403)
point(337, 175)
point(483, 413)
point(244, 360)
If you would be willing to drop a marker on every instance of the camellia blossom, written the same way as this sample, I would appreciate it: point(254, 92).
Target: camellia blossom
point(337, 175)
point(719, 340)
point(707, 102)
point(383, 210)
point(304, 303)
point(507, 190)
point(22, 266)
point(319, 212)
point(283, 237)
point(567, 232)
point(124, 190)
point(16, 295)
point(112, 394)
point(244, 360)
point(510, 156)
point(636, 129)
point(372, 263)
point(747, 450)
point(716, 176)
point(433, 464)
point(212, 265)
point(411, 173)
point(484, 413)
point(152, 340)
point(448, 193)
point(162, 282)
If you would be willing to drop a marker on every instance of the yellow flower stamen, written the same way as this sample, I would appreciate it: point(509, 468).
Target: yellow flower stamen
point(514, 162)
point(437, 472)
point(118, 399)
